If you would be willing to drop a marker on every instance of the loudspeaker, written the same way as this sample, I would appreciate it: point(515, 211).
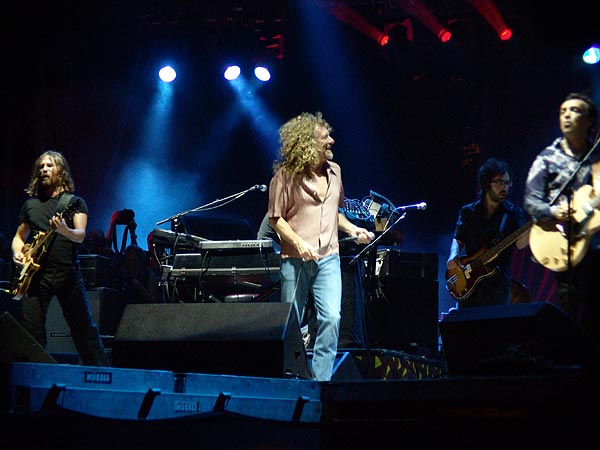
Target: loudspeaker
point(521, 338)
point(252, 339)
point(405, 317)
point(106, 307)
point(17, 345)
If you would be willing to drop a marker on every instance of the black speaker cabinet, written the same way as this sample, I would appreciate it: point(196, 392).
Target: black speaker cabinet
point(515, 339)
point(405, 316)
point(251, 339)
point(106, 307)
point(17, 345)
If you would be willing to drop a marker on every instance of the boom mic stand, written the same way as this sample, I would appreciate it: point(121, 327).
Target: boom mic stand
point(375, 241)
point(214, 204)
point(372, 284)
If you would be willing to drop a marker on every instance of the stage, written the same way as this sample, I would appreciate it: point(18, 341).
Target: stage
point(511, 377)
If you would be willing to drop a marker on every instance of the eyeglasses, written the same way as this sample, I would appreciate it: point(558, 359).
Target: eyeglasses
point(503, 183)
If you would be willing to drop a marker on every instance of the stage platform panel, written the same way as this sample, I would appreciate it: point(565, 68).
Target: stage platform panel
point(131, 394)
point(115, 407)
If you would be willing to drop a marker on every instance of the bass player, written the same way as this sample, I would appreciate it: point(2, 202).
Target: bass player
point(478, 264)
point(51, 269)
point(579, 279)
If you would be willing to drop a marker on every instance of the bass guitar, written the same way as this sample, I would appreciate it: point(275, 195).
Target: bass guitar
point(34, 253)
point(550, 241)
point(474, 268)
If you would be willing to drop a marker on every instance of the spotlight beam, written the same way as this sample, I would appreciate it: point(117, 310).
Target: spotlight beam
point(345, 14)
point(490, 12)
point(419, 11)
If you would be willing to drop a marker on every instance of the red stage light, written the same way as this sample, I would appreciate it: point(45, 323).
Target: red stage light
point(505, 34)
point(383, 39)
point(444, 35)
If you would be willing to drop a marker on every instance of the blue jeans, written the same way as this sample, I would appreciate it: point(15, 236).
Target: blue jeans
point(324, 279)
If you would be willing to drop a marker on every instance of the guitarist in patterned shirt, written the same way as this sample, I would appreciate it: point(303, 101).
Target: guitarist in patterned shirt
point(481, 225)
point(578, 286)
point(54, 266)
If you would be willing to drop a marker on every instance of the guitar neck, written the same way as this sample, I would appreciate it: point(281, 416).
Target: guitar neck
point(506, 242)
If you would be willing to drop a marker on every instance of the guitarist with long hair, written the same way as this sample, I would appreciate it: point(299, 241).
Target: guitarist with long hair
point(52, 223)
point(573, 213)
point(478, 262)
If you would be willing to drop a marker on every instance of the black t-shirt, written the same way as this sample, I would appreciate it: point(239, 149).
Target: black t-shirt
point(37, 212)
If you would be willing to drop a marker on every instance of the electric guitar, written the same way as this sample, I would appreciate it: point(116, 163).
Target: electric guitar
point(549, 241)
point(34, 253)
point(462, 281)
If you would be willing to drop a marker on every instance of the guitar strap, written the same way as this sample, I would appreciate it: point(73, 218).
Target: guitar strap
point(63, 202)
point(501, 233)
point(503, 224)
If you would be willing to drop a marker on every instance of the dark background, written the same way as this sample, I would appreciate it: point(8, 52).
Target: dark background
point(412, 121)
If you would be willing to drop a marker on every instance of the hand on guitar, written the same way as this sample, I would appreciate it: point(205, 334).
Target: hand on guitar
point(560, 212)
point(58, 224)
point(20, 256)
point(454, 264)
point(557, 247)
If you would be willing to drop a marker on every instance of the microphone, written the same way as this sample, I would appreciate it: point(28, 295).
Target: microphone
point(259, 187)
point(420, 206)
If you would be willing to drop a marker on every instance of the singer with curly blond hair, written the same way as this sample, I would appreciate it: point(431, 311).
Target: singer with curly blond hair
point(305, 193)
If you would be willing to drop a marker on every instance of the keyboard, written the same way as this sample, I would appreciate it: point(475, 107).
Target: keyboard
point(170, 238)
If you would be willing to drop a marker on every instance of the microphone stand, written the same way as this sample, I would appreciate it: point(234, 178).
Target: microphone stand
point(371, 283)
point(221, 202)
point(374, 242)
point(570, 225)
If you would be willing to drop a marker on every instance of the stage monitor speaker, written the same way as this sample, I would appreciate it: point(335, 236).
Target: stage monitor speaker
point(526, 338)
point(17, 345)
point(252, 339)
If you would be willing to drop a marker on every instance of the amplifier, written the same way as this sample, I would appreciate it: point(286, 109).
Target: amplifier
point(96, 270)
